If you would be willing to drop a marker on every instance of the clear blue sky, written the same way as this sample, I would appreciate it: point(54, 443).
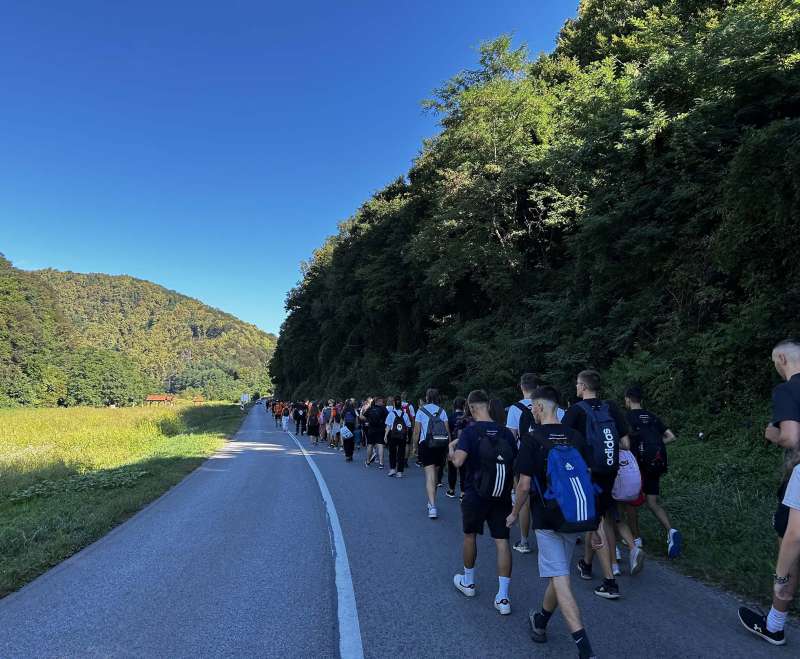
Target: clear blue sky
point(211, 146)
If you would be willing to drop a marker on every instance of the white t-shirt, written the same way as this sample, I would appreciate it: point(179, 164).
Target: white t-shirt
point(392, 414)
point(792, 496)
point(514, 414)
point(422, 418)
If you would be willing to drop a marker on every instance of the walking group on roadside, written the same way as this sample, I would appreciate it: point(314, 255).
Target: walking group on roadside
point(575, 476)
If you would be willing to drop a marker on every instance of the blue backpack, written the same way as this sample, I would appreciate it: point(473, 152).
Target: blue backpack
point(602, 436)
point(570, 494)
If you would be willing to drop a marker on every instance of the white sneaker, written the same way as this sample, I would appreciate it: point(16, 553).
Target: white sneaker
point(615, 569)
point(618, 553)
point(637, 560)
point(638, 542)
point(432, 512)
point(399, 474)
point(392, 472)
point(503, 606)
point(458, 582)
point(522, 547)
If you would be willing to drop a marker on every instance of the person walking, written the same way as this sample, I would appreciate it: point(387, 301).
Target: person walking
point(554, 460)
point(456, 474)
point(487, 451)
point(313, 423)
point(783, 431)
point(348, 431)
point(376, 431)
point(431, 440)
point(398, 424)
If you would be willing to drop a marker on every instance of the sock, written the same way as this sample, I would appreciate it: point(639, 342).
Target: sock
point(469, 576)
point(582, 641)
point(776, 620)
point(502, 593)
point(543, 617)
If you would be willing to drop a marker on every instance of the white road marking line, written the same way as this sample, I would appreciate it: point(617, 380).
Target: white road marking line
point(350, 646)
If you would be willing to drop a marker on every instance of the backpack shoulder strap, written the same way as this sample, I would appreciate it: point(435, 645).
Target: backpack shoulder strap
point(522, 407)
point(426, 413)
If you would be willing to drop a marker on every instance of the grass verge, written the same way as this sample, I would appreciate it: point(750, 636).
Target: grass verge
point(68, 476)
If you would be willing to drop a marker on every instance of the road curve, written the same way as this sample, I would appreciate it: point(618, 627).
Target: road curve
point(237, 561)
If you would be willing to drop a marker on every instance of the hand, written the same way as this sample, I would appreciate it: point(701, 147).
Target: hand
point(772, 434)
point(598, 539)
point(511, 519)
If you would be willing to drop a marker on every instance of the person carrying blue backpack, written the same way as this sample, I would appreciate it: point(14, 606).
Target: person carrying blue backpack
point(552, 469)
point(605, 428)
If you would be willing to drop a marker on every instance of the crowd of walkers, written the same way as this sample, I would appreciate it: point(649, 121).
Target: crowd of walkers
point(575, 475)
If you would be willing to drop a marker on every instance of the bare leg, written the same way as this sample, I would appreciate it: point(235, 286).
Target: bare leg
point(569, 607)
point(380, 453)
point(632, 515)
point(430, 484)
point(606, 554)
point(503, 558)
point(470, 550)
point(550, 601)
point(658, 511)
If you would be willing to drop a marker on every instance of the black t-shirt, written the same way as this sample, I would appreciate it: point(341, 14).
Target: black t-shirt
point(532, 461)
point(575, 416)
point(376, 420)
point(786, 401)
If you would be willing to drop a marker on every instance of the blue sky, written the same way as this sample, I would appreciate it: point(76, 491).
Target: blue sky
point(210, 147)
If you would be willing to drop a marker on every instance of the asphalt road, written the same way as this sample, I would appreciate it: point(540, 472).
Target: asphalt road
point(238, 561)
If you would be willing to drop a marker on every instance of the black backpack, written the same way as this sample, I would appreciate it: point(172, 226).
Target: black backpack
point(527, 424)
point(436, 435)
point(399, 428)
point(651, 452)
point(496, 477)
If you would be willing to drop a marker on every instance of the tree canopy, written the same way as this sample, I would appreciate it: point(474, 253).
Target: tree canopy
point(628, 202)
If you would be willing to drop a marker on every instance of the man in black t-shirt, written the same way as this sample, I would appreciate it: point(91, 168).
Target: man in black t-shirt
point(376, 428)
point(646, 427)
point(555, 548)
point(784, 431)
point(587, 388)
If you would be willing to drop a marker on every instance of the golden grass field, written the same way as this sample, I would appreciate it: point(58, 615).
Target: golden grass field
point(67, 476)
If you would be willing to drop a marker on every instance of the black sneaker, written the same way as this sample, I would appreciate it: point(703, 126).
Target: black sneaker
point(607, 590)
point(538, 631)
point(451, 494)
point(756, 622)
point(585, 570)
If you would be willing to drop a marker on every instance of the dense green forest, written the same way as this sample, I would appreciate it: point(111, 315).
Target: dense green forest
point(75, 339)
point(629, 202)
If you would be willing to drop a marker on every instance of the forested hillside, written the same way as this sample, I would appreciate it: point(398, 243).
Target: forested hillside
point(68, 338)
point(628, 202)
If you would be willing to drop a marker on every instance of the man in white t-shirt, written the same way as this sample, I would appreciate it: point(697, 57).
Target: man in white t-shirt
point(431, 458)
point(527, 384)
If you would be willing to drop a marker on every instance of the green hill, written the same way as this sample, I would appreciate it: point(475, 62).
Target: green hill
point(101, 339)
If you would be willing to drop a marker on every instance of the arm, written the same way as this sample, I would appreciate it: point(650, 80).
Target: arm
point(669, 436)
point(459, 457)
point(523, 491)
point(786, 435)
point(625, 442)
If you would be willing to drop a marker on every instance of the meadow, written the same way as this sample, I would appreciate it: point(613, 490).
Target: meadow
point(68, 476)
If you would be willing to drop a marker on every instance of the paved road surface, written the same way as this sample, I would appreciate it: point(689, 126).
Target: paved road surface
point(237, 561)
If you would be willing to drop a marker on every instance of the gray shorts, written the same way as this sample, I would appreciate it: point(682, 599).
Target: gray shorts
point(555, 552)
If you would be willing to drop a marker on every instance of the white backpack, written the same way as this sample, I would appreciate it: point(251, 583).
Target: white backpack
point(628, 484)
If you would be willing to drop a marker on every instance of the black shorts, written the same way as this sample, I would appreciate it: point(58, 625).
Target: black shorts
point(605, 501)
point(375, 438)
point(313, 431)
point(475, 511)
point(432, 456)
point(651, 482)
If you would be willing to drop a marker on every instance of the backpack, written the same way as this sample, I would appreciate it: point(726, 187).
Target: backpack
point(628, 483)
point(650, 448)
point(570, 494)
point(398, 428)
point(496, 477)
point(349, 416)
point(526, 421)
point(407, 409)
point(436, 435)
point(602, 436)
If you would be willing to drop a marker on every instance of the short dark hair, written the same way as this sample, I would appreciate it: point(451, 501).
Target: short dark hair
point(432, 396)
point(478, 397)
point(529, 381)
point(459, 402)
point(547, 393)
point(591, 379)
point(397, 402)
point(634, 393)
